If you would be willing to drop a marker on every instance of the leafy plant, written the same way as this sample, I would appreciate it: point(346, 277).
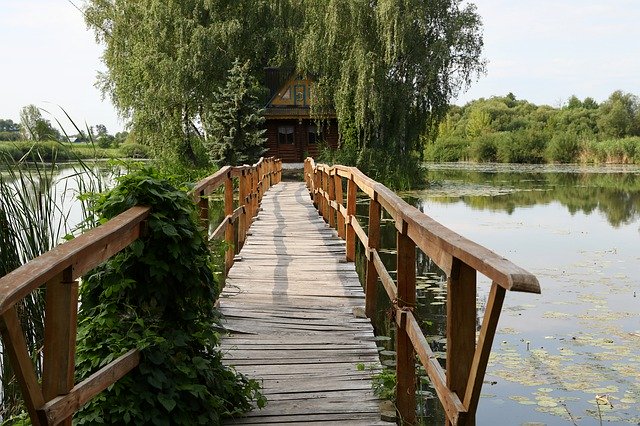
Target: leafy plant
point(158, 295)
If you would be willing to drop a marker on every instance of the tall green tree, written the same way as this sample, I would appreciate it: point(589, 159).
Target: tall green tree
point(389, 67)
point(234, 124)
point(36, 127)
point(166, 59)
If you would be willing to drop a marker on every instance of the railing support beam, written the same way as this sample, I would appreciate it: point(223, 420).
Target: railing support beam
point(461, 328)
point(405, 356)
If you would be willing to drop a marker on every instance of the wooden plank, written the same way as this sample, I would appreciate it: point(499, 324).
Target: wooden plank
point(83, 253)
point(351, 211)
point(461, 326)
point(64, 406)
point(290, 305)
point(405, 359)
point(61, 322)
point(337, 185)
point(16, 347)
point(373, 243)
point(483, 349)
point(452, 405)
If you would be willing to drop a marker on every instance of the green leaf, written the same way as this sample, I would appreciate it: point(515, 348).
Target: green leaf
point(167, 402)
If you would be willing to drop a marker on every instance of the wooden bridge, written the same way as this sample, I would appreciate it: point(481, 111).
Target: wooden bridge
point(293, 303)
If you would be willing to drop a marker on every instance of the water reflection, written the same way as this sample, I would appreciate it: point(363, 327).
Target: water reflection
point(577, 231)
point(615, 195)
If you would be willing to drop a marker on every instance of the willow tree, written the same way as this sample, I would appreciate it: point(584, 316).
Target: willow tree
point(390, 67)
point(166, 58)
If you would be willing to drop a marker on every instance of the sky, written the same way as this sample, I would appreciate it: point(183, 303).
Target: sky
point(540, 50)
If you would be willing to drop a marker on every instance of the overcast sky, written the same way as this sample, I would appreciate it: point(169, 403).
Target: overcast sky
point(541, 50)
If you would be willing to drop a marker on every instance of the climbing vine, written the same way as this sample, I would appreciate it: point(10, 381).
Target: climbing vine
point(157, 295)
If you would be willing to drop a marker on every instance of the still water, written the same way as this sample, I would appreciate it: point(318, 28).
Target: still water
point(572, 354)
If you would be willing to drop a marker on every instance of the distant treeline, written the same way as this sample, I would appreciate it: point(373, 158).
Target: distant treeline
point(505, 129)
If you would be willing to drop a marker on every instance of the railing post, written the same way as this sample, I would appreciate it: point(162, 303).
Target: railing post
point(324, 200)
point(228, 211)
point(337, 187)
point(351, 215)
point(315, 175)
point(61, 321)
point(461, 328)
point(371, 285)
point(332, 198)
point(204, 211)
point(405, 356)
point(242, 201)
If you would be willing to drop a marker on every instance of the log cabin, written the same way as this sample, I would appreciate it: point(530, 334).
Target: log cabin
point(292, 134)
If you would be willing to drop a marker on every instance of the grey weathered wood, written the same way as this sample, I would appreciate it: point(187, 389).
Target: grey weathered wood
point(290, 305)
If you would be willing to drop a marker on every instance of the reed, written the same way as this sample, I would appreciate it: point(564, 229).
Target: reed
point(35, 204)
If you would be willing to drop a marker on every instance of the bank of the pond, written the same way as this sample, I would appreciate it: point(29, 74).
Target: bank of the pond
point(572, 353)
point(48, 151)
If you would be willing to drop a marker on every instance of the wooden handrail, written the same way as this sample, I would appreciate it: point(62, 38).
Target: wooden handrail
point(56, 399)
point(252, 182)
point(460, 258)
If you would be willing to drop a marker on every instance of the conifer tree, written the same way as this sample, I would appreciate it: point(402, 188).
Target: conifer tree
point(234, 125)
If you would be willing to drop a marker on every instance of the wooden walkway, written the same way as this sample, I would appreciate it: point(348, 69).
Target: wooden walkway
point(295, 310)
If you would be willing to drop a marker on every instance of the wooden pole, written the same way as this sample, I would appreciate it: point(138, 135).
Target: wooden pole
point(371, 285)
point(228, 211)
point(204, 211)
point(242, 201)
point(337, 186)
point(61, 322)
point(15, 345)
point(461, 327)
point(332, 198)
point(405, 356)
point(351, 215)
point(483, 350)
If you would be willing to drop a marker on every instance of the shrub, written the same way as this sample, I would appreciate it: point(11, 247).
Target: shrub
point(563, 148)
point(135, 150)
point(447, 149)
point(484, 148)
point(525, 146)
point(157, 295)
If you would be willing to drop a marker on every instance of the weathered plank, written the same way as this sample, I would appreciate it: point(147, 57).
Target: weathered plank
point(293, 307)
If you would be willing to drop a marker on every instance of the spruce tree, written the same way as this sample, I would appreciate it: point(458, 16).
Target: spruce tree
point(234, 125)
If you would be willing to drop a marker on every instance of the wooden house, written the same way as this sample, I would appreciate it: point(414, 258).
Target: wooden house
point(291, 132)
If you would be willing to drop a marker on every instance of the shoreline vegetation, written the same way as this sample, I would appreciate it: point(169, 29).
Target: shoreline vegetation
point(48, 151)
point(506, 130)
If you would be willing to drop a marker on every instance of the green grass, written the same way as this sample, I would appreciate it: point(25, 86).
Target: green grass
point(49, 151)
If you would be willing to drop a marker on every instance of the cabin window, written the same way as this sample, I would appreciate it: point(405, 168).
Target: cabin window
point(285, 135)
point(312, 133)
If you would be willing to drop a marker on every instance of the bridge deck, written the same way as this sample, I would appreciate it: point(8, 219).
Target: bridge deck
point(295, 312)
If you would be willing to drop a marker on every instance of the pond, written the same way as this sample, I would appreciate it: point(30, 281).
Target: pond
point(572, 354)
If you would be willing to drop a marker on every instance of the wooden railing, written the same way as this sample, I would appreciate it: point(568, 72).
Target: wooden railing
point(252, 183)
point(460, 259)
point(55, 399)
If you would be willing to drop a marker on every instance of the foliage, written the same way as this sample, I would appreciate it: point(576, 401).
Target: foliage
point(389, 67)
point(157, 295)
point(35, 127)
point(135, 150)
point(166, 60)
point(234, 125)
point(33, 220)
point(505, 129)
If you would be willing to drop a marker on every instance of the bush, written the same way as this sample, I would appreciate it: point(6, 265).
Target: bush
point(526, 146)
point(157, 295)
point(484, 148)
point(135, 150)
point(446, 149)
point(563, 148)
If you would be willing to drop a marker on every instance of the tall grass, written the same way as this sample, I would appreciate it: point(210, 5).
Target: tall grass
point(35, 204)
